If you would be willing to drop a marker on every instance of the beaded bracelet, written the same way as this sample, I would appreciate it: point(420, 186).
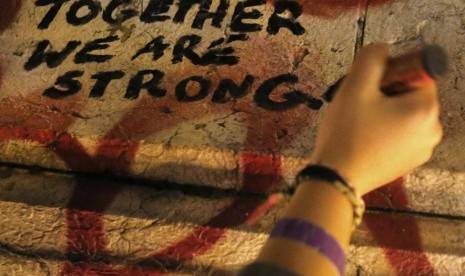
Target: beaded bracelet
point(329, 175)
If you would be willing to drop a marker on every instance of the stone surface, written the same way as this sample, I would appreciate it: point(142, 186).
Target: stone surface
point(409, 24)
point(163, 137)
point(194, 231)
point(52, 223)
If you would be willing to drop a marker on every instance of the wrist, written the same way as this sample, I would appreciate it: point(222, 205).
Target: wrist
point(348, 171)
point(317, 201)
point(334, 179)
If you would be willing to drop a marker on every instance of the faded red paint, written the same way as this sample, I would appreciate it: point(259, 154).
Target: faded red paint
point(86, 236)
point(205, 237)
point(40, 120)
point(138, 123)
point(84, 215)
point(85, 227)
point(116, 155)
point(334, 8)
point(70, 150)
point(388, 196)
point(86, 233)
point(45, 123)
point(260, 173)
point(399, 235)
point(85, 230)
point(25, 134)
point(38, 112)
point(261, 210)
point(8, 11)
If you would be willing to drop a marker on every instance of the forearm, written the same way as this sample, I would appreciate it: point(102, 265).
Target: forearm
point(351, 143)
point(320, 203)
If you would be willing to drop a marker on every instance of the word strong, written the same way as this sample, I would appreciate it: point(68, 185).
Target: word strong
point(237, 19)
point(227, 89)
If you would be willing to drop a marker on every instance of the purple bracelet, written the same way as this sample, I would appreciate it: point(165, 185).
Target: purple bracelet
point(313, 236)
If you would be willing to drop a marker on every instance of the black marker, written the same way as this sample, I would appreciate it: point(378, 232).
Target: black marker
point(407, 72)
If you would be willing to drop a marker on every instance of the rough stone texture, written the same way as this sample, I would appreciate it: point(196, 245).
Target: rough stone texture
point(54, 223)
point(158, 228)
point(12, 264)
point(165, 134)
point(407, 24)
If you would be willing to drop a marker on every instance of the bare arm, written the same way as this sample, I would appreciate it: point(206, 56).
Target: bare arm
point(370, 140)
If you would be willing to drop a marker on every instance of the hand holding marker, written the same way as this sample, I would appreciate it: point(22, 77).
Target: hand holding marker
point(407, 72)
point(350, 147)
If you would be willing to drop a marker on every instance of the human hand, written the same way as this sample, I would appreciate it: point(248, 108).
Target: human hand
point(372, 139)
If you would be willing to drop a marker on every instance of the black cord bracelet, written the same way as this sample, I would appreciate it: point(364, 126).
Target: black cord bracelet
point(319, 172)
point(322, 173)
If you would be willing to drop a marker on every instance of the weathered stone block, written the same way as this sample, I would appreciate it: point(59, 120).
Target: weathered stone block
point(190, 231)
point(173, 91)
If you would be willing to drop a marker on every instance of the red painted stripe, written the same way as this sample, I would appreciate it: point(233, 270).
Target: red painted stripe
point(113, 155)
point(32, 135)
point(391, 195)
point(86, 236)
point(116, 155)
point(36, 112)
point(205, 237)
point(86, 233)
point(85, 228)
point(71, 151)
point(401, 242)
point(261, 210)
point(196, 243)
point(261, 173)
point(399, 235)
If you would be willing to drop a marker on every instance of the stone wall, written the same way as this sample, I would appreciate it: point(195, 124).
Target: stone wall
point(162, 137)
